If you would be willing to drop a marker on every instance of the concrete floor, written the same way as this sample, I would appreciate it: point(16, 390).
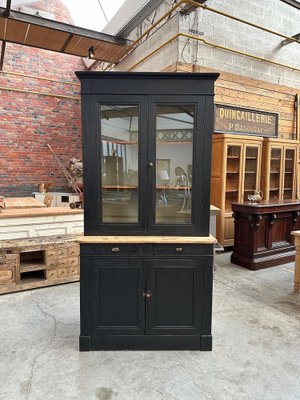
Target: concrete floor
point(256, 349)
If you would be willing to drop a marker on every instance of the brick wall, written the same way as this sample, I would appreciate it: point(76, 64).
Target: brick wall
point(39, 104)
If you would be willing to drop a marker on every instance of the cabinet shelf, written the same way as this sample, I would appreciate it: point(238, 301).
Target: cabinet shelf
point(233, 157)
point(232, 190)
point(233, 172)
point(31, 266)
point(273, 189)
point(251, 158)
point(250, 172)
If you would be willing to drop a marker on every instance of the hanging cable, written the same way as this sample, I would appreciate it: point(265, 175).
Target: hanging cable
point(103, 12)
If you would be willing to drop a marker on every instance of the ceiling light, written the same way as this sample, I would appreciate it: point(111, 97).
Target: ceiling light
point(91, 53)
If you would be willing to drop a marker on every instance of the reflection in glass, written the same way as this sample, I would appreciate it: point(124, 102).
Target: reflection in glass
point(174, 161)
point(119, 169)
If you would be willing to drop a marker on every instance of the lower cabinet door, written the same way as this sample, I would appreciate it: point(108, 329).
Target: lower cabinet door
point(117, 302)
point(175, 301)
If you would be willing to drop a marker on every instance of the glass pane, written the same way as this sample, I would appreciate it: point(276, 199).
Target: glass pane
point(275, 172)
point(232, 175)
point(120, 159)
point(174, 163)
point(288, 173)
point(250, 171)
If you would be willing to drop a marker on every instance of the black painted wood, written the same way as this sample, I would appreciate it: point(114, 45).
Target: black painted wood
point(150, 298)
point(146, 296)
point(147, 90)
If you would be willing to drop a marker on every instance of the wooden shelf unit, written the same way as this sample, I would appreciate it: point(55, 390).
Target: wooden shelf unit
point(280, 160)
point(38, 262)
point(236, 166)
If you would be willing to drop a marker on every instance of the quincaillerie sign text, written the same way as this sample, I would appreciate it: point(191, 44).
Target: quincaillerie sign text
point(243, 121)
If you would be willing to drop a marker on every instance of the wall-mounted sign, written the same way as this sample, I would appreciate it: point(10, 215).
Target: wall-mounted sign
point(243, 121)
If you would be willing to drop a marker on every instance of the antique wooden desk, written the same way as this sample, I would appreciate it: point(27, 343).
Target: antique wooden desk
point(262, 233)
point(297, 261)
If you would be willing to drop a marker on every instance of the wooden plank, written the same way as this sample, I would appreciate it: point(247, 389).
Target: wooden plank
point(37, 36)
point(37, 284)
point(38, 212)
point(23, 202)
point(147, 239)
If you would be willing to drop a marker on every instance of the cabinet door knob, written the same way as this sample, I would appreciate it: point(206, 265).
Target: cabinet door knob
point(150, 164)
point(147, 294)
point(115, 249)
point(178, 249)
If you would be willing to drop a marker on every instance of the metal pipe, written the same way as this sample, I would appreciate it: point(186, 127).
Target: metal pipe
point(39, 93)
point(205, 7)
point(213, 45)
point(2, 54)
point(147, 31)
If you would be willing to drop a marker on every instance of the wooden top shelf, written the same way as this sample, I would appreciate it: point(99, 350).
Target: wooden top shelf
point(147, 239)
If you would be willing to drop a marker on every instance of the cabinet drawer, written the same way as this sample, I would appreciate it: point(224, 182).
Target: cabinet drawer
point(179, 249)
point(62, 272)
point(73, 251)
point(63, 263)
point(50, 264)
point(73, 262)
point(62, 252)
point(51, 274)
point(51, 253)
point(121, 250)
point(73, 271)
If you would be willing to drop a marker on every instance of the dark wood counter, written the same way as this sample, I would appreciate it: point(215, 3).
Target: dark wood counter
point(262, 233)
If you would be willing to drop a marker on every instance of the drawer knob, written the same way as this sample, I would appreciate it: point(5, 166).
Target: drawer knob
point(115, 249)
point(178, 249)
point(147, 294)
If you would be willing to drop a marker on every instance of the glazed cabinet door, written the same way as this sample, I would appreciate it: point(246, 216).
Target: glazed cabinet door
point(117, 302)
point(252, 165)
point(176, 303)
point(289, 168)
point(115, 172)
point(234, 159)
point(178, 202)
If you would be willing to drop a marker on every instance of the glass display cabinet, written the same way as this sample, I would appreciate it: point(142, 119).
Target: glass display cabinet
point(280, 159)
point(236, 166)
point(146, 253)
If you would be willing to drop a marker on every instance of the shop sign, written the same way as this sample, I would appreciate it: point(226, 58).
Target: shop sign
point(243, 121)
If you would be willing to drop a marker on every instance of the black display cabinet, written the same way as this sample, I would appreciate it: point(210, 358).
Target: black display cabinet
point(146, 253)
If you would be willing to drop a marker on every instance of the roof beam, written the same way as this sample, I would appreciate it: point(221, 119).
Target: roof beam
point(31, 30)
point(6, 13)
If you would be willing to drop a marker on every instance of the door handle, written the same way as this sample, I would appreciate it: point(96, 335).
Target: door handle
point(150, 164)
point(147, 294)
point(178, 249)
